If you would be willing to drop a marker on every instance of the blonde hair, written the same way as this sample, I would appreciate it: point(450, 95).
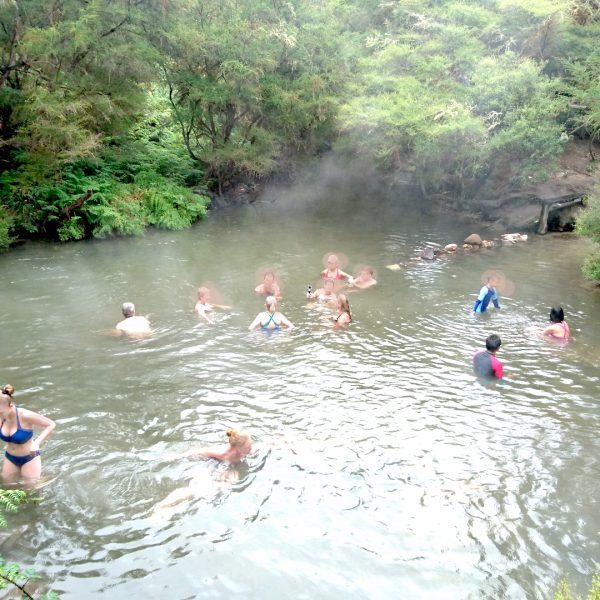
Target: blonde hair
point(271, 303)
point(345, 305)
point(6, 394)
point(203, 292)
point(238, 438)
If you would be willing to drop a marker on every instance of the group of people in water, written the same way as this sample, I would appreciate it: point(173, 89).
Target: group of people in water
point(270, 319)
point(485, 363)
point(22, 456)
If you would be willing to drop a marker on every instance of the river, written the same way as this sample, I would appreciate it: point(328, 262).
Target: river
point(382, 468)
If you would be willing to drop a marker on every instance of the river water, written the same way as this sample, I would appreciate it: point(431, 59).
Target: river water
point(382, 468)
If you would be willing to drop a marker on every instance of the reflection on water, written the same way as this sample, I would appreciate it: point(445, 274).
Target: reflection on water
point(381, 464)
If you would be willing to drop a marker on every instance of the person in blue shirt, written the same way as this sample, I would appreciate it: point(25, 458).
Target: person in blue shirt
point(486, 295)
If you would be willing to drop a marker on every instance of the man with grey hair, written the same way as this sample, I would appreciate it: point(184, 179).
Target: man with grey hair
point(132, 324)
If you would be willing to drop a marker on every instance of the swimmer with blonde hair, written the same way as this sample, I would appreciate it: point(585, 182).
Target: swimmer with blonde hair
point(333, 271)
point(271, 319)
point(239, 446)
point(344, 313)
point(205, 306)
point(132, 324)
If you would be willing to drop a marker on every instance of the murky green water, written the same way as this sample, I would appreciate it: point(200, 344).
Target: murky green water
point(382, 470)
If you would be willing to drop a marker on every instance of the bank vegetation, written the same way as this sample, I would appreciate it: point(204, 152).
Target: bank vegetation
point(116, 115)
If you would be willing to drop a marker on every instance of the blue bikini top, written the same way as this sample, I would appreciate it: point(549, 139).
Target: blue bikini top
point(20, 436)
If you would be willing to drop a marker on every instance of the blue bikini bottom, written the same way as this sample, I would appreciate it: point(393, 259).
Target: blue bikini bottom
point(19, 461)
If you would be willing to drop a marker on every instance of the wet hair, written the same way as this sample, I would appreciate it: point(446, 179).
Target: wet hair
point(329, 280)
point(270, 302)
point(238, 438)
point(6, 393)
point(203, 292)
point(345, 305)
point(493, 342)
point(369, 270)
point(557, 314)
point(128, 309)
point(269, 273)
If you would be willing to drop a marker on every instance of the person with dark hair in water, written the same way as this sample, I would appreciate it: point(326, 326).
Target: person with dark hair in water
point(559, 329)
point(22, 456)
point(485, 363)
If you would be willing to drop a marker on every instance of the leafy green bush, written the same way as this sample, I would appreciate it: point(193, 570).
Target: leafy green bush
point(564, 592)
point(588, 225)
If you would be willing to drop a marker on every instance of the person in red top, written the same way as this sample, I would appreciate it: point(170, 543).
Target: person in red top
point(485, 363)
point(559, 329)
point(333, 270)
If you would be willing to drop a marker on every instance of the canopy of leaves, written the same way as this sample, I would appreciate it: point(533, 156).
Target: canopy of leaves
point(110, 110)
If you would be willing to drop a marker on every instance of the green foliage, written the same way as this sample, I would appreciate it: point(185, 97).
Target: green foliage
point(588, 225)
point(564, 592)
point(15, 576)
point(9, 502)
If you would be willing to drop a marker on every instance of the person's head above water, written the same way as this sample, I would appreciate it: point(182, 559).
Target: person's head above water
point(128, 309)
point(238, 439)
point(329, 285)
point(203, 293)
point(343, 304)
point(492, 343)
point(333, 262)
point(271, 303)
point(557, 314)
point(269, 277)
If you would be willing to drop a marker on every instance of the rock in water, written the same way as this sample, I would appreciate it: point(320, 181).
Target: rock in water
point(474, 240)
point(451, 247)
point(428, 253)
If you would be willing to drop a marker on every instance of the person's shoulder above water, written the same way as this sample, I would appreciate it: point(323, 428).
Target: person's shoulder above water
point(485, 363)
point(559, 328)
point(132, 324)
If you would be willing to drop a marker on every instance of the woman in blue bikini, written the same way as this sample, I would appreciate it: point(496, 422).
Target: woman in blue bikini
point(270, 320)
point(22, 456)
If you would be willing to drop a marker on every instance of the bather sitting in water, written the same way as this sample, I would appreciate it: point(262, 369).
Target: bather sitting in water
point(325, 294)
point(344, 313)
point(364, 279)
point(269, 286)
point(204, 306)
point(485, 363)
point(132, 324)
point(270, 320)
point(333, 271)
point(239, 446)
point(559, 329)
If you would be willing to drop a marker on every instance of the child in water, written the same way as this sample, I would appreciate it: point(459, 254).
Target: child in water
point(485, 363)
point(487, 294)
